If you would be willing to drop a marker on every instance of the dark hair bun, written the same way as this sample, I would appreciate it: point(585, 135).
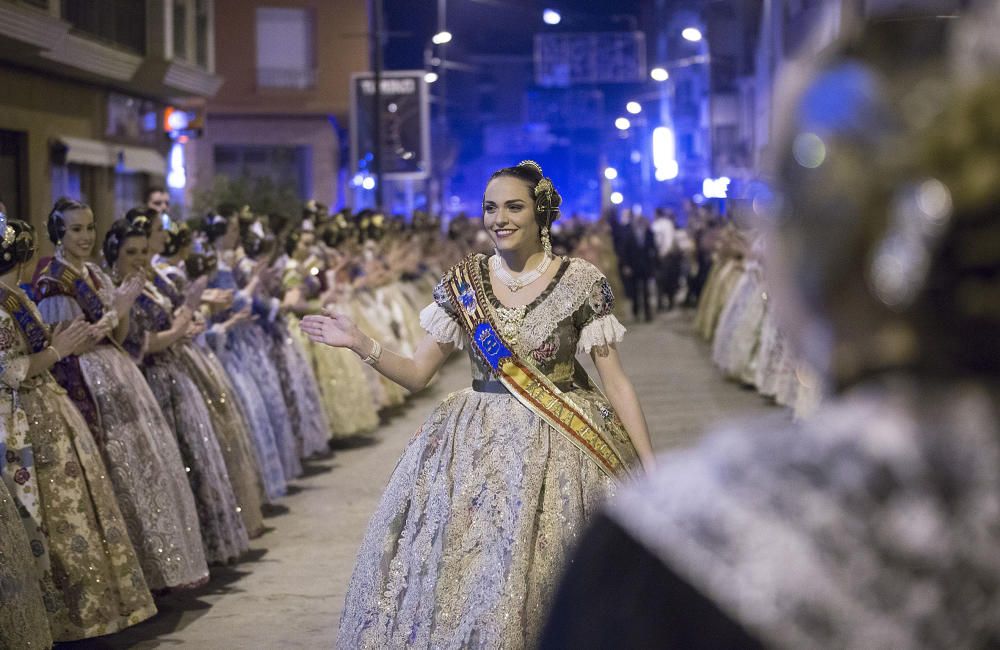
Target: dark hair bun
point(17, 243)
point(119, 232)
point(178, 236)
point(56, 223)
point(198, 264)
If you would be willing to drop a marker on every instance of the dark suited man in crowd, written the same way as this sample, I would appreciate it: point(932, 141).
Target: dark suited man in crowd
point(668, 273)
point(639, 264)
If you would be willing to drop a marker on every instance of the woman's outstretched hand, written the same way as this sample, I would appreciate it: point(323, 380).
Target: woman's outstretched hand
point(332, 329)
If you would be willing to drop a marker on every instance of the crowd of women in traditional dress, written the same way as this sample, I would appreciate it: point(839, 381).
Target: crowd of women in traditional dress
point(156, 402)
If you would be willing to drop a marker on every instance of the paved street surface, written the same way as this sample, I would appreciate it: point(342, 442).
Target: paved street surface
point(290, 593)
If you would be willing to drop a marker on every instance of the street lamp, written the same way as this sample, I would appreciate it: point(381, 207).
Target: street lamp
point(622, 124)
point(441, 38)
point(551, 17)
point(692, 34)
point(634, 108)
point(431, 77)
point(610, 173)
point(659, 74)
point(617, 198)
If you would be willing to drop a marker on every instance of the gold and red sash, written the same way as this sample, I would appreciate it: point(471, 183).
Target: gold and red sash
point(526, 383)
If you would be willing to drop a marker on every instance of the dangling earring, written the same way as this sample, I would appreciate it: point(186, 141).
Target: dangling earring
point(546, 242)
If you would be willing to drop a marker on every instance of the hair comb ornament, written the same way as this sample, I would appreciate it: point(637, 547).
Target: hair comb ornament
point(532, 164)
point(7, 233)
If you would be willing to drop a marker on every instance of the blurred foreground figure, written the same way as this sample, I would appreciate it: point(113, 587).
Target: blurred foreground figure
point(876, 524)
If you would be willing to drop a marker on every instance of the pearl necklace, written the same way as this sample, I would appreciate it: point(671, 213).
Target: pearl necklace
point(523, 280)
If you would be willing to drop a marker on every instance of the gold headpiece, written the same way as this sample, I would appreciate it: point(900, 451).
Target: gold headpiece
point(7, 230)
point(531, 163)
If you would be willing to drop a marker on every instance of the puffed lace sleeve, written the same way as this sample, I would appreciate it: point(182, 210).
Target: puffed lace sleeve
point(597, 324)
point(13, 361)
point(440, 320)
point(56, 309)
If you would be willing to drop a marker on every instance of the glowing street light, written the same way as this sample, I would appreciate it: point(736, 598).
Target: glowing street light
point(622, 124)
point(634, 108)
point(610, 173)
point(368, 183)
point(617, 198)
point(668, 172)
point(692, 34)
point(551, 17)
point(441, 38)
point(659, 74)
point(431, 77)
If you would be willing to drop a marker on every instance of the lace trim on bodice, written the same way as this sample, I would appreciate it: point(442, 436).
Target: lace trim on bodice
point(566, 297)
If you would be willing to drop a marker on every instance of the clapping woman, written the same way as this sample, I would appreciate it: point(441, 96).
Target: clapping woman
point(156, 338)
point(82, 558)
point(139, 448)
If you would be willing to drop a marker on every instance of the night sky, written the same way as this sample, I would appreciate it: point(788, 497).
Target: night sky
point(490, 26)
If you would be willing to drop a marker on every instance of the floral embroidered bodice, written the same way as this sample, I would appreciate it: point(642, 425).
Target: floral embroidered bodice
point(572, 315)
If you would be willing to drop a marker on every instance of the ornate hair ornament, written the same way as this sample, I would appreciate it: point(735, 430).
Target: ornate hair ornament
point(545, 191)
point(216, 220)
point(169, 224)
point(532, 164)
point(7, 234)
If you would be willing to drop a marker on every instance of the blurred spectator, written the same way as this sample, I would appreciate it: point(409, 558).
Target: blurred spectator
point(668, 258)
point(639, 265)
point(874, 523)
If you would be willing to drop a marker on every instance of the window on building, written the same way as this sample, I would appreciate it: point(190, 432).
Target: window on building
point(118, 22)
point(129, 189)
point(181, 30)
point(191, 31)
point(201, 29)
point(285, 49)
point(72, 180)
point(285, 166)
point(13, 173)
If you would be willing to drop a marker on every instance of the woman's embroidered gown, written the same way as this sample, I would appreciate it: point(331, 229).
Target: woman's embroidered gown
point(228, 419)
point(23, 623)
point(222, 529)
point(139, 447)
point(91, 580)
point(248, 366)
point(467, 543)
point(343, 387)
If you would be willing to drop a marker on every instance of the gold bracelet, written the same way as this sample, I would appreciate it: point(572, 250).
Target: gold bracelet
point(58, 356)
point(374, 356)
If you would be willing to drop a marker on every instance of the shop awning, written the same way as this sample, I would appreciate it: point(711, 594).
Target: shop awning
point(143, 160)
point(82, 151)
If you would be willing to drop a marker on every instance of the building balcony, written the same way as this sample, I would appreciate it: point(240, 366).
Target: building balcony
point(37, 38)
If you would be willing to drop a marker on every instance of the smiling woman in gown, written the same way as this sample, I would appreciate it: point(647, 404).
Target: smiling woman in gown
point(469, 539)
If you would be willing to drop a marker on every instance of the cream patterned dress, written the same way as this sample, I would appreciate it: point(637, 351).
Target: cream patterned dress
point(467, 545)
point(91, 579)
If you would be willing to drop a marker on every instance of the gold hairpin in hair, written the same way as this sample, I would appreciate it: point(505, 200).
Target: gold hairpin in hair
point(6, 230)
point(530, 163)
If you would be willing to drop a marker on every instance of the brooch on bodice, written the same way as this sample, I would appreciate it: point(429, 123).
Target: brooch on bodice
point(509, 321)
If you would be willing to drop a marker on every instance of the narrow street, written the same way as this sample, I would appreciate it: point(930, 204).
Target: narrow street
point(290, 593)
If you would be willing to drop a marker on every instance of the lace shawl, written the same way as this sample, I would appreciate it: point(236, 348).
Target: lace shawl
point(873, 525)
